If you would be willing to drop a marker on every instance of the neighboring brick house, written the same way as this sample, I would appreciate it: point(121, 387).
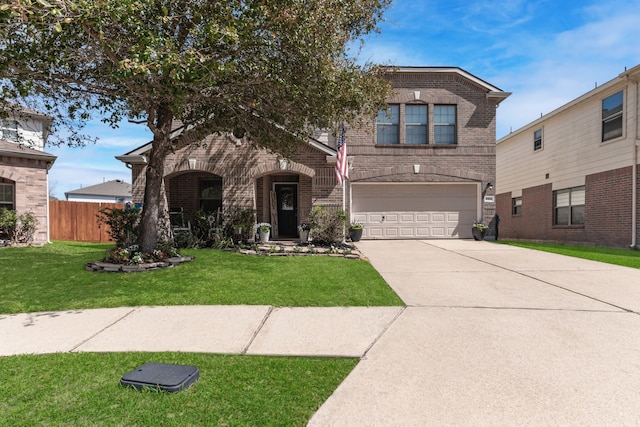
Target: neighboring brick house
point(572, 175)
point(114, 191)
point(24, 166)
point(420, 171)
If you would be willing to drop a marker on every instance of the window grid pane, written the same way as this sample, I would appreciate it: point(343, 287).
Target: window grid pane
point(612, 108)
point(445, 134)
point(211, 194)
point(416, 124)
point(9, 130)
point(6, 196)
point(537, 140)
point(387, 124)
point(569, 206)
point(516, 204)
point(444, 117)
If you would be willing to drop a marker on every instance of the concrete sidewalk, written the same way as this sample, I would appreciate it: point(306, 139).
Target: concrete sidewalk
point(264, 330)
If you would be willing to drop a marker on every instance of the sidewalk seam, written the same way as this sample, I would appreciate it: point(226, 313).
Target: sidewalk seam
point(257, 331)
point(383, 331)
point(83, 342)
point(521, 273)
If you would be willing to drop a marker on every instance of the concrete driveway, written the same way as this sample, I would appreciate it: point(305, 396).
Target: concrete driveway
point(497, 335)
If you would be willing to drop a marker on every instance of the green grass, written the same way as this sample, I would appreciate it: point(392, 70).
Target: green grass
point(624, 257)
point(83, 389)
point(53, 278)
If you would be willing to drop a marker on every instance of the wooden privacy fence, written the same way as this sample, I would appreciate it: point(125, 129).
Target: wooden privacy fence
point(77, 221)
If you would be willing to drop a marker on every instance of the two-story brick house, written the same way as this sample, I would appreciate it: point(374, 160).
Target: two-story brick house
point(571, 176)
point(24, 166)
point(420, 169)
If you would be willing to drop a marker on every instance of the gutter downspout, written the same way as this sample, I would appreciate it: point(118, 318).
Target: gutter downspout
point(47, 213)
point(634, 172)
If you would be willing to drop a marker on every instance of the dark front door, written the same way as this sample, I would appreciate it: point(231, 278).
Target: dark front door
point(287, 200)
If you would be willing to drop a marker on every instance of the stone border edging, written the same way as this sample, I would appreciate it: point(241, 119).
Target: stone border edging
point(101, 266)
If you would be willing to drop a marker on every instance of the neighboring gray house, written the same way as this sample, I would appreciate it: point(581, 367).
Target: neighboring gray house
point(24, 165)
point(421, 171)
point(115, 191)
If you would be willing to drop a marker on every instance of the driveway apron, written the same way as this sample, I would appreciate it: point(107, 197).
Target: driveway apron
point(496, 335)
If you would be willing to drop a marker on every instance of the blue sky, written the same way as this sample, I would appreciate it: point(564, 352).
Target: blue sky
point(547, 52)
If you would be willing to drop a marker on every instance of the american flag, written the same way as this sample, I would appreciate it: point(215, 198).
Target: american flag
point(342, 164)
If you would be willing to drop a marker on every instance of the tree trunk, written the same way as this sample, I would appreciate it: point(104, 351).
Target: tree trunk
point(151, 214)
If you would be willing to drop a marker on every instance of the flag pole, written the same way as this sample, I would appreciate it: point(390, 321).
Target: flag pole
point(344, 209)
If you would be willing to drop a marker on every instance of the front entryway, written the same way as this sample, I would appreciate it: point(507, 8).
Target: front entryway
point(287, 209)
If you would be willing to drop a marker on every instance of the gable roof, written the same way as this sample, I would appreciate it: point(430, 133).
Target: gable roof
point(115, 188)
point(18, 110)
point(11, 149)
point(493, 92)
point(137, 155)
point(632, 74)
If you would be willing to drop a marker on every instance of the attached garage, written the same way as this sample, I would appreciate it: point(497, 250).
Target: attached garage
point(415, 211)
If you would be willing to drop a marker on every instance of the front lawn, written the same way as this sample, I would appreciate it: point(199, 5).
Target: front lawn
point(624, 257)
point(83, 389)
point(53, 277)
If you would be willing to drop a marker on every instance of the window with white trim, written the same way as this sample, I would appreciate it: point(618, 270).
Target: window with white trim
point(568, 206)
point(388, 124)
point(612, 108)
point(516, 206)
point(444, 121)
point(7, 195)
point(537, 140)
point(9, 130)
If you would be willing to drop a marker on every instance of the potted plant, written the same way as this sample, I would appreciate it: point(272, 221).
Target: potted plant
point(355, 231)
point(479, 230)
point(264, 228)
point(238, 228)
point(303, 230)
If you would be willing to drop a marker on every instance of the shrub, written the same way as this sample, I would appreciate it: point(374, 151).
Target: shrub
point(123, 225)
point(132, 254)
point(17, 228)
point(327, 226)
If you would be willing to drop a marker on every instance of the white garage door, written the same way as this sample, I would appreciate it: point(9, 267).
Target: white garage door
point(415, 211)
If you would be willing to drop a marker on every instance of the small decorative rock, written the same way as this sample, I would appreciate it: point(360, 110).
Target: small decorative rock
point(102, 266)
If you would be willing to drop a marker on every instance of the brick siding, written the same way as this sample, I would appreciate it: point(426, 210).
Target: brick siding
point(607, 213)
point(30, 179)
point(248, 173)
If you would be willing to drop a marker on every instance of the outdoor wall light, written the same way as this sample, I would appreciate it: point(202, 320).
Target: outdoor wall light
point(489, 186)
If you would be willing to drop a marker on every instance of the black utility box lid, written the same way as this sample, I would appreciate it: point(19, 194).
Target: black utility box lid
point(167, 377)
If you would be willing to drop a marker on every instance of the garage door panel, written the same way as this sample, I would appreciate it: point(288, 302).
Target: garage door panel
point(409, 217)
point(415, 211)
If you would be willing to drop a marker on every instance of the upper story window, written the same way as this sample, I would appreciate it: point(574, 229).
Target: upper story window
point(388, 124)
point(416, 124)
point(568, 205)
point(612, 116)
point(444, 121)
point(6, 195)
point(9, 130)
point(537, 140)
